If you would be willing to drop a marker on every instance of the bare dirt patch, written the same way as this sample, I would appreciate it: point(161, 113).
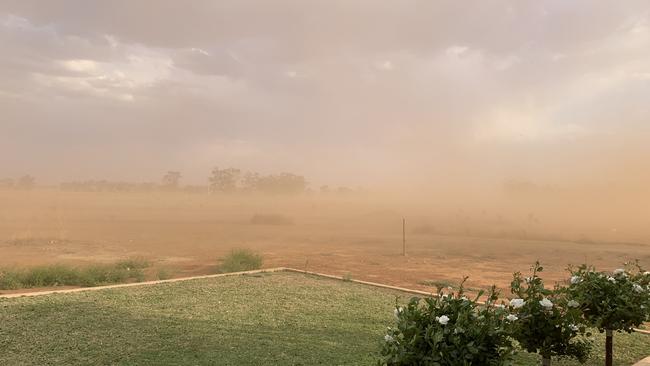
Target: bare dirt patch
point(188, 233)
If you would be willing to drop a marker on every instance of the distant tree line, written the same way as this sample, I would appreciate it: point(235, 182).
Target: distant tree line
point(232, 180)
point(228, 180)
point(220, 181)
point(25, 182)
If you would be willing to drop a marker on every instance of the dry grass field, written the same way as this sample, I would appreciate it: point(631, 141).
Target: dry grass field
point(354, 236)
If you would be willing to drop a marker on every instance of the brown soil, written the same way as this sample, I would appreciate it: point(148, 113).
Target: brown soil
point(187, 234)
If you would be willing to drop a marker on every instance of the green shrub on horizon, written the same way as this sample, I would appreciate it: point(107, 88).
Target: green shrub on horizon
point(240, 260)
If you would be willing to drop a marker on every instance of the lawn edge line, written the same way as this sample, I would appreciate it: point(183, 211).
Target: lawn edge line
point(367, 283)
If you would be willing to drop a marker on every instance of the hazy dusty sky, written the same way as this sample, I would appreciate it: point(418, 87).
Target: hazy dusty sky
point(347, 92)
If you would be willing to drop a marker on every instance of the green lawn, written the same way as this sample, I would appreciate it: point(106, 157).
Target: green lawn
point(269, 319)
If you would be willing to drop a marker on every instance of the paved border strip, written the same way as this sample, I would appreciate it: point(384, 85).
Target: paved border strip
point(644, 362)
point(267, 270)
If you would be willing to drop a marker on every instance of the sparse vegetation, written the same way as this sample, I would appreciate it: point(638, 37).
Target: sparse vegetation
point(164, 274)
point(133, 263)
point(347, 277)
point(240, 260)
point(130, 270)
point(438, 284)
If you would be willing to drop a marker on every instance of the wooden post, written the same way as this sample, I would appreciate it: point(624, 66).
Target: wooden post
point(403, 237)
point(609, 347)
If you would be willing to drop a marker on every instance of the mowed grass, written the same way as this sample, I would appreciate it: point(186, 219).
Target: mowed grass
point(267, 319)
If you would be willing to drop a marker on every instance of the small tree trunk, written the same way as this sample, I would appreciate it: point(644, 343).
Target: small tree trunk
point(546, 361)
point(609, 347)
point(403, 237)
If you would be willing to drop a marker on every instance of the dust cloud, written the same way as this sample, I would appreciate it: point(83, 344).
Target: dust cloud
point(502, 133)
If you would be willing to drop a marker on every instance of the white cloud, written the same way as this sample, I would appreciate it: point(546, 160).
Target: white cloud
point(87, 66)
point(201, 51)
point(528, 124)
point(456, 51)
point(384, 65)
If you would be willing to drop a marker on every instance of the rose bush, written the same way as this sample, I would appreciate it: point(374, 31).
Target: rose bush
point(545, 321)
point(449, 329)
point(611, 302)
point(615, 301)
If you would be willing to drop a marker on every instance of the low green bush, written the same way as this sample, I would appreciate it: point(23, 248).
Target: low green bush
point(65, 275)
point(164, 274)
point(240, 260)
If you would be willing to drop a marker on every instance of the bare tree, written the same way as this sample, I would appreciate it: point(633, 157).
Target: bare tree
point(171, 180)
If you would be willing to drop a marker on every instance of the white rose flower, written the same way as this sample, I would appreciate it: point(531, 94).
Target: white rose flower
point(388, 338)
point(646, 273)
point(619, 271)
point(638, 287)
point(443, 319)
point(512, 317)
point(517, 303)
point(398, 311)
point(611, 279)
point(546, 303)
point(573, 304)
point(574, 328)
point(575, 280)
